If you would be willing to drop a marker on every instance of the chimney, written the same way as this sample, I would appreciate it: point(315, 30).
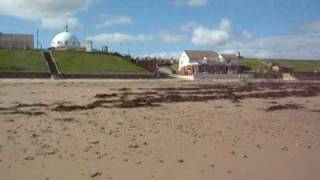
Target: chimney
point(239, 55)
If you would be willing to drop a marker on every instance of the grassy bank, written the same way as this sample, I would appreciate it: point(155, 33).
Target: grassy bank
point(21, 60)
point(298, 65)
point(254, 64)
point(80, 62)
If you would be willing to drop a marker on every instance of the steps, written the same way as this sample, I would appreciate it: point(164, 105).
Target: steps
point(288, 77)
point(53, 67)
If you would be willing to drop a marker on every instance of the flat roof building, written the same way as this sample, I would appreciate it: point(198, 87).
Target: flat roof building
point(17, 41)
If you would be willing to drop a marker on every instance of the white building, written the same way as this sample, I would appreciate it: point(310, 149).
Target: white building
point(191, 58)
point(105, 49)
point(208, 62)
point(88, 45)
point(65, 40)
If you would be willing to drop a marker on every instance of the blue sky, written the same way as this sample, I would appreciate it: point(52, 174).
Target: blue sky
point(273, 28)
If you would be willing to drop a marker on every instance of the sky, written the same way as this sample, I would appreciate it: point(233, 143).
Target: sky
point(165, 28)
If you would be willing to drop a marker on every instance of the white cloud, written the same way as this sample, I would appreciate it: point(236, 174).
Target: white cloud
point(227, 39)
point(214, 37)
point(196, 2)
point(192, 3)
point(189, 26)
point(163, 55)
point(115, 20)
point(209, 37)
point(58, 23)
point(171, 38)
point(140, 38)
point(36, 9)
point(312, 26)
point(303, 46)
point(225, 25)
point(120, 38)
point(246, 35)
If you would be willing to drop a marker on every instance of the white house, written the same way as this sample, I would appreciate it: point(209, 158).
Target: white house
point(191, 58)
point(208, 62)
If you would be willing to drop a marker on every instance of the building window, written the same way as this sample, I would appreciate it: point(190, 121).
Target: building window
point(66, 43)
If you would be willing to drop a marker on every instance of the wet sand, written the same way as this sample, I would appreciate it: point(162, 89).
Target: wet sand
point(159, 129)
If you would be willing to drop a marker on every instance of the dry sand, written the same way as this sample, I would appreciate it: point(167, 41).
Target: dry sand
point(159, 129)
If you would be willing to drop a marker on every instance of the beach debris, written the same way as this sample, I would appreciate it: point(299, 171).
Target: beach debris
point(34, 135)
point(9, 120)
point(95, 174)
point(29, 158)
point(51, 152)
point(134, 146)
point(138, 162)
point(309, 146)
point(95, 142)
point(284, 107)
point(64, 119)
point(284, 148)
point(244, 156)
point(104, 96)
point(200, 93)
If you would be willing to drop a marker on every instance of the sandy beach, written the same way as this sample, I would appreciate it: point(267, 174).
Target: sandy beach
point(159, 129)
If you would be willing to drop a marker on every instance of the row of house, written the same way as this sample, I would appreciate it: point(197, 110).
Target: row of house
point(193, 62)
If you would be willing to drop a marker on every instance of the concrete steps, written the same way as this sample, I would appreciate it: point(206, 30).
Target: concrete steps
point(53, 67)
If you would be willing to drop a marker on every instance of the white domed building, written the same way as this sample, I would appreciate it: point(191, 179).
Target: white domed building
point(65, 40)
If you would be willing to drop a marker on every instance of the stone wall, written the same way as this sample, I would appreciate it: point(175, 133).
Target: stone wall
point(224, 76)
point(105, 76)
point(302, 76)
point(26, 75)
point(150, 66)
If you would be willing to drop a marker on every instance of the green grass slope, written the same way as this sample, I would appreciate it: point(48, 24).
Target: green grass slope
point(81, 62)
point(21, 60)
point(299, 65)
point(254, 64)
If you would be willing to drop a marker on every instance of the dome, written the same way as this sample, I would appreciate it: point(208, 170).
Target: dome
point(65, 40)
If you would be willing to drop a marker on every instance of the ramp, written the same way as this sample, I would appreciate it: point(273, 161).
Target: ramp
point(288, 77)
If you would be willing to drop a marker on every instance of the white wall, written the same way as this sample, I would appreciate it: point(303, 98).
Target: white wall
point(184, 60)
point(221, 58)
